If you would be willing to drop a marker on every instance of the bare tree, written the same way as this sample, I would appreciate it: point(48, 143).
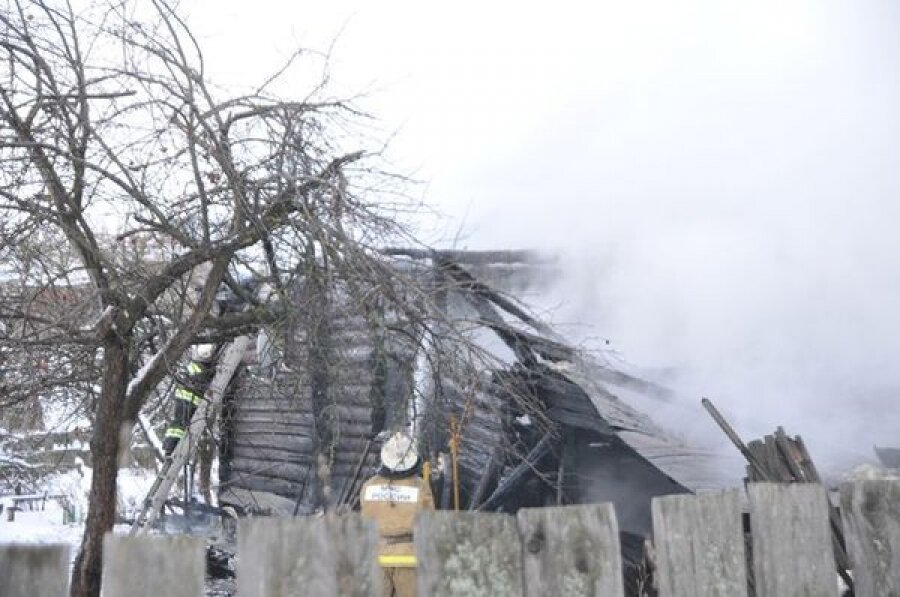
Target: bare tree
point(134, 172)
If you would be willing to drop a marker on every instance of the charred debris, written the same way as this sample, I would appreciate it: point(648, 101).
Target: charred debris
point(522, 419)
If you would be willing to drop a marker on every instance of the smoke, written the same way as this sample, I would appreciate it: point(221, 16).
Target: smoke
point(727, 216)
point(719, 180)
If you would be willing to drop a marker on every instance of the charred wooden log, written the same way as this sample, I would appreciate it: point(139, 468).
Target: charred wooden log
point(521, 473)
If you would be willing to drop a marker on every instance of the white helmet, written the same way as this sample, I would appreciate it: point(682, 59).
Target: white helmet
point(399, 454)
point(203, 353)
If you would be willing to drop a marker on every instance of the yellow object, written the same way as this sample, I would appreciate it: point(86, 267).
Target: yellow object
point(454, 459)
point(397, 561)
point(175, 432)
point(188, 396)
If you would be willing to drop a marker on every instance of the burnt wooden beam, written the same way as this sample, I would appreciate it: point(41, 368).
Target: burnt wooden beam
point(488, 477)
point(469, 282)
point(471, 257)
point(520, 474)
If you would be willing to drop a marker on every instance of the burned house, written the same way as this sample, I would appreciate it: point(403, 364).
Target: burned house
point(533, 421)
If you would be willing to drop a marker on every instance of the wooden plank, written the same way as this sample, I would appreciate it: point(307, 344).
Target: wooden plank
point(297, 471)
point(792, 552)
point(468, 553)
point(699, 542)
point(571, 550)
point(268, 468)
point(789, 455)
point(758, 449)
point(356, 555)
point(281, 557)
point(153, 565)
point(32, 570)
point(276, 451)
point(292, 420)
point(307, 556)
point(354, 410)
point(806, 461)
point(871, 515)
point(262, 483)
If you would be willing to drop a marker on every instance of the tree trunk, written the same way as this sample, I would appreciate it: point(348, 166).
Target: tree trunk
point(86, 574)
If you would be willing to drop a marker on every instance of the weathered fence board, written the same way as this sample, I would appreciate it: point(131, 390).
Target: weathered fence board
point(792, 551)
point(307, 556)
point(871, 515)
point(468, 553)
point(699, 542)
point(356, 556)
point(153, 565)
point(571, 551)
point(31, 570)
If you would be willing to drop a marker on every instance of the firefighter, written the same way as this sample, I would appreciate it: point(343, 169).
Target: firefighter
point(189, 393)
point(392, 498)
point(199, 373)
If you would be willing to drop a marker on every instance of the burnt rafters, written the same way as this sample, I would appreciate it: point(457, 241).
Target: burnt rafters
point(468, 282)
point(544, 344)
point(529, 466)
point(559, 400)
point(526, 346)
point(470, 257)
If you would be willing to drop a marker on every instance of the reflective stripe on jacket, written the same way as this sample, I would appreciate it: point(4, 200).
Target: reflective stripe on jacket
point(188, 396)
point(175, 432)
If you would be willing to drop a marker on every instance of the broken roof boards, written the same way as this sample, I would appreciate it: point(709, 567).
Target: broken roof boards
point(305, 436)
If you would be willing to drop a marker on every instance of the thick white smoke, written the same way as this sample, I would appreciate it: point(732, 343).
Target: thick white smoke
point(719, 178)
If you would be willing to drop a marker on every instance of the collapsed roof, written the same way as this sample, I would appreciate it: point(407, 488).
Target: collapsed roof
point(542, 422)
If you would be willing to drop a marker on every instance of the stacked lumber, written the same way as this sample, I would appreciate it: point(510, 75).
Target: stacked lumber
point(781, 458)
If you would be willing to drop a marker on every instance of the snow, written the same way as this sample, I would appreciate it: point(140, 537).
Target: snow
point(107, 314)
point(41, 526)
point(152, 437)
point(872, 472)
point(64, 415)
point(51, 525)
point(145, 370)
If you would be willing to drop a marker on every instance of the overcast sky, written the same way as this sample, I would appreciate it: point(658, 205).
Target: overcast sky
point(720, 177)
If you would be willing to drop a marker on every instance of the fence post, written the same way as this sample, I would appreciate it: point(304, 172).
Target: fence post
point(572, 550)
point(792, 550)
point(871, 515)
point(356, 555)
point(699, 545)
point(322, 556)
point(468, 553)
point(153, 565)
point(30, 570)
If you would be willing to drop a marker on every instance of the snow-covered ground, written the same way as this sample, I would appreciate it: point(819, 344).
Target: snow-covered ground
point(45, 526)
point(62, 521)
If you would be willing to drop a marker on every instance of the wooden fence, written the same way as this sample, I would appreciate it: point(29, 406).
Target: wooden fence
point(700, 549)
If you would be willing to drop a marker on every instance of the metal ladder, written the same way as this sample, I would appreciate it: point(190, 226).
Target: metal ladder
point(204, 415)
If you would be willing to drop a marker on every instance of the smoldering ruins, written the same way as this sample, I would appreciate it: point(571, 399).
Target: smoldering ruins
point(515, 416)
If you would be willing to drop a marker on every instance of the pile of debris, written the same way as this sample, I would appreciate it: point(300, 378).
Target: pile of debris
point(781, 459)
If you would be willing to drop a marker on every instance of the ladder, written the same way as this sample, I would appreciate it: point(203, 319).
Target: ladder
point(204, 415)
